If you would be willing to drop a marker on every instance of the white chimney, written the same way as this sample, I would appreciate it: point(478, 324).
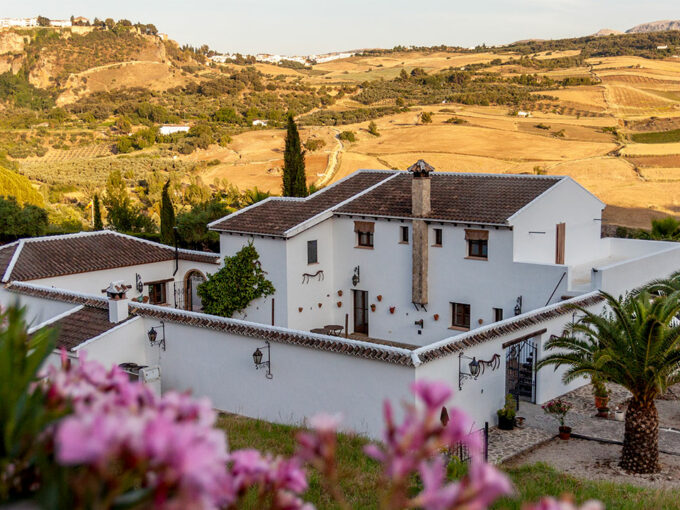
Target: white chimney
point(118, 301)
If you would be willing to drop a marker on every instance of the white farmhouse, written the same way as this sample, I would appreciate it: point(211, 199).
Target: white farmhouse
point(382, 278)
point(168, 129)
point(260, 123)
point(88, 262)
point(414, 257)
point(523, 114)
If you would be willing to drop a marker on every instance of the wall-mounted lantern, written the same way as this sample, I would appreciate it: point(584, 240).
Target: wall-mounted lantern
point(518, 306)
point(476, 367)
point(356, 277)
point(153, 335)
point(257, 358)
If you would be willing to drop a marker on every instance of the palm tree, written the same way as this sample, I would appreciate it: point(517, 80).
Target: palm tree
point(252, 196)
point(664, 286)
point(636, 345)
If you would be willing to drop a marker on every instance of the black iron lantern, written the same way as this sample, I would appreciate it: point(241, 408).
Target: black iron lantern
point(257, 357)
point(356, 277)
point(474, 367)
point(518, 306)
point(153, 335)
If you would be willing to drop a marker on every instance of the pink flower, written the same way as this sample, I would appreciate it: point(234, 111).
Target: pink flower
point(433, 394)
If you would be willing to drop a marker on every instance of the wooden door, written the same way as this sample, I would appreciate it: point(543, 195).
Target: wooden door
point(561, 230)
point(361, 311)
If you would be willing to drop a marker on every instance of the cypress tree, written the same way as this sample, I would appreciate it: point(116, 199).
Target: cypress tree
point(97, 214)
point(294, 177)
point(167, 216)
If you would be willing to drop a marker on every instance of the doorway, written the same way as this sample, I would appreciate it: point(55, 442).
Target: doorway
point(360, 311)
point(192, 300)
point(520, 370)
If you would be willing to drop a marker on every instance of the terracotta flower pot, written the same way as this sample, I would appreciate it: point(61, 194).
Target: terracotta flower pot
point(603, 412)
point(601, 402)
point(373, 308)
point(392, 309)
point(339, 304)
point(436, 316)
point(339, 293)
point(379, 297)
point(300, 309)
point(565, 432)
point(320, 305)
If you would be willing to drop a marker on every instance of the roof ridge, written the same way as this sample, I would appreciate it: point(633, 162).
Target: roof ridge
point(69, 296)
point(13, 261)
point(300, 199)
point(340, 204)
point(455, 343)
point(163, 246)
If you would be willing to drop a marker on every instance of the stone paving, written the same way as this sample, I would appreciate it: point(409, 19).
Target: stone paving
point(583, 421)
point(504, 444)
point(540, 427)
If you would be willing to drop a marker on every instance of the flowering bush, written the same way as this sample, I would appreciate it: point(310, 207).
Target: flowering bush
point(89, 438)
point(557, 408)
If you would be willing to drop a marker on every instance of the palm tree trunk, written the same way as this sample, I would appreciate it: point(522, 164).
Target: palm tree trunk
point(641, 440)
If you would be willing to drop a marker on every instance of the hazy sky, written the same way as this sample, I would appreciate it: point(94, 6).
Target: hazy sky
point(303, 26)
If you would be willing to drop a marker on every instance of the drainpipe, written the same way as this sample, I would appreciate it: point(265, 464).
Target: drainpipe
point(174, 235)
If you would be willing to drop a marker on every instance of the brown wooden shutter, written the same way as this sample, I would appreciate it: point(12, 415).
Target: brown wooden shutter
point(561, 230)
point(364, 226)
point(476, 235)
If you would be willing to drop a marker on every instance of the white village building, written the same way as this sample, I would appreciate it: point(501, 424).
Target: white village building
point(168, 129)
point(430, 271)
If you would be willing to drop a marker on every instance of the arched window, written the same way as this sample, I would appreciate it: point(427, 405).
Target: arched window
point(192, 280)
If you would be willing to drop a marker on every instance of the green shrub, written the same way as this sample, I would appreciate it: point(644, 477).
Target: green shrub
point(348, 136)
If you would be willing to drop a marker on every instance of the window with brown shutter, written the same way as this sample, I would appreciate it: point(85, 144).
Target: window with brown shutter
point(478, 243)
point(561, 230)
point(437, 237)
point(364, 230)
point(460, 315)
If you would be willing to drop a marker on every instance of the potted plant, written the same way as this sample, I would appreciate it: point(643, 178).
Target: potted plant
point(603, 412)
point(506, 414)
point(600, 392)
point(558, 409)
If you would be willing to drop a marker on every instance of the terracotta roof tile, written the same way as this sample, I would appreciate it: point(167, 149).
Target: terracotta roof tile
point(277, 215)
point(46, 257)
point(477, 198)
point(82, 325)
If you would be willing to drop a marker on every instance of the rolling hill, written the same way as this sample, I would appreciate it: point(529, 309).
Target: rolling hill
point(78, 104)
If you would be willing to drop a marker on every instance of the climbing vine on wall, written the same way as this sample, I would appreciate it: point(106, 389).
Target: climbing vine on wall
point(236, 285)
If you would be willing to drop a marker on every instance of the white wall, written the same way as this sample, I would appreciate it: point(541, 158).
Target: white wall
point(309, 293)
point(306, 381)
point(623, 276)
point(272, 253)
point(37, 310)
point(93, 282)
point(484, 285)
point(481, 398)
point(566, 202)
point(126, 343)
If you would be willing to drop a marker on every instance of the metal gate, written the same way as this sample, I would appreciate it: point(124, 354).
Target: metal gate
point(520, 370)
point(179, 295)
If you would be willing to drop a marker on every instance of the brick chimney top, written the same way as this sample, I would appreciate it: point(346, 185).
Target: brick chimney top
point(421, 169)
point(118, 301)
